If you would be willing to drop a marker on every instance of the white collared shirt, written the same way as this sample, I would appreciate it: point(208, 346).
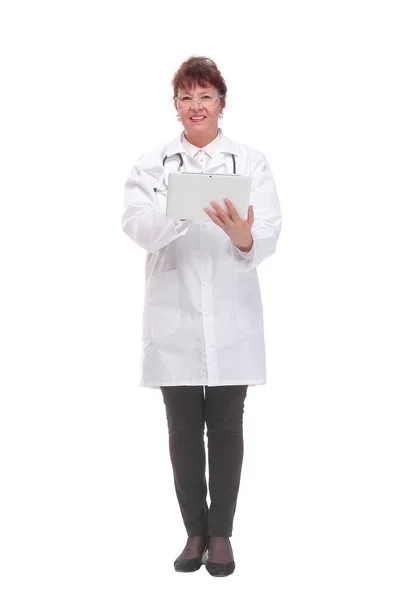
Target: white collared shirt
point(202, 155)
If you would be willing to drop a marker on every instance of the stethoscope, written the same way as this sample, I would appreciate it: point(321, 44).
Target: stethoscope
point(166, 157)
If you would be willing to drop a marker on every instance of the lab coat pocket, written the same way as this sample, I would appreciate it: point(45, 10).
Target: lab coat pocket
point(161, 310)
point(249, 311)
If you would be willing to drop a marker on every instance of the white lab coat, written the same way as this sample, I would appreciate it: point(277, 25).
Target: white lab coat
point(202, 311)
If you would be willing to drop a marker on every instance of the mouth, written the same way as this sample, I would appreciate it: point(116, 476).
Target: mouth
point(197, 119)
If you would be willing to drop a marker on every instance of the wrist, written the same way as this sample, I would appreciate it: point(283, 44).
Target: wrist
point(245, 247)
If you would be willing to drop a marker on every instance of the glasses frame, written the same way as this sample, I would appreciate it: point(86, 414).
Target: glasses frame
point(213, 96)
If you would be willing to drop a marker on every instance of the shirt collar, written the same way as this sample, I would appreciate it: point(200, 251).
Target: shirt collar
point(192, 150)
point(225, 145)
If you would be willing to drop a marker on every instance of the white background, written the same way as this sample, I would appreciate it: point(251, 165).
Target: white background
point(88, 507)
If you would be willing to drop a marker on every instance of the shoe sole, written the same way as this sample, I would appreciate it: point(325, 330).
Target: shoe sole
point(220, 573)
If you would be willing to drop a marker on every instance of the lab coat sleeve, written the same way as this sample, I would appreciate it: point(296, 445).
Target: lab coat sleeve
point(267, 218)
point(144, 219)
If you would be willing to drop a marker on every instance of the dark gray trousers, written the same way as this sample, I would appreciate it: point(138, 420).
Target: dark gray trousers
point(188, 408)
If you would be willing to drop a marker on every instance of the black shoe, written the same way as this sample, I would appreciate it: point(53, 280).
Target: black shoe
point(220, 569)
point(188, 565)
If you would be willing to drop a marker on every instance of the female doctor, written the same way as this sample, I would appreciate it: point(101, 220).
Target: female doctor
point(203, 330)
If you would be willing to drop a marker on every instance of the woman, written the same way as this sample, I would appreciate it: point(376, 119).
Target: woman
point(203, 334)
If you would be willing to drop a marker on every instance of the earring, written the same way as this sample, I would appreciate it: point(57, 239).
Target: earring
point(178, 117)
point(220, 116)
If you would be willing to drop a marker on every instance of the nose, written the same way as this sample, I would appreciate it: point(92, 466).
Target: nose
point(196, 103)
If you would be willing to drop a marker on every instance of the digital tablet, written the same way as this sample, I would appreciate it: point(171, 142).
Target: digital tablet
point(189, 193)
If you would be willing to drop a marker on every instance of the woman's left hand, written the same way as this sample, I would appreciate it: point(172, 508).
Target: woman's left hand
point(238, 229)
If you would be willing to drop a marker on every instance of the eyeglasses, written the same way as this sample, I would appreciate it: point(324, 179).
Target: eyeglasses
point(204, 99)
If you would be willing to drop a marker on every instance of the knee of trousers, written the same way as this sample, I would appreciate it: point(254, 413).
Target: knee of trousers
point(187, 435)
point(225, 425)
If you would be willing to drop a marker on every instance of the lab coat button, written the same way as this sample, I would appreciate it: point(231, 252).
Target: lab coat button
point(206, 313)
point(205, 254)
point(204, 225)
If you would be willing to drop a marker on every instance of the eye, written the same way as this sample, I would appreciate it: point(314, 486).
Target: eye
point(206, 97)
point(186, 98)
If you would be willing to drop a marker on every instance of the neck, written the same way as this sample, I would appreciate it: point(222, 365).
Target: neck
point(202, 139)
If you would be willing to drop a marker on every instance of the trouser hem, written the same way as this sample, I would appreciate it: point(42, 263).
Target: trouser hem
point(197, 532)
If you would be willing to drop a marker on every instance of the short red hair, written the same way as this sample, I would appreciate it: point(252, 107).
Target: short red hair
point(202, 71)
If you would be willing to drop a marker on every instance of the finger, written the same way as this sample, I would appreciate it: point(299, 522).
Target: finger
point(234, 213)
point(214, 217)
point(218, 208)
point(223, 215)
point(210, 213)
point(251, 214)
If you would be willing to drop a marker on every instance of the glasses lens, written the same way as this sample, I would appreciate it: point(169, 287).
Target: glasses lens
point(204, 100)
point(207, 100)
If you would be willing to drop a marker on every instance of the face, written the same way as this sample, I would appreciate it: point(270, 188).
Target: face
point(199, 120)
